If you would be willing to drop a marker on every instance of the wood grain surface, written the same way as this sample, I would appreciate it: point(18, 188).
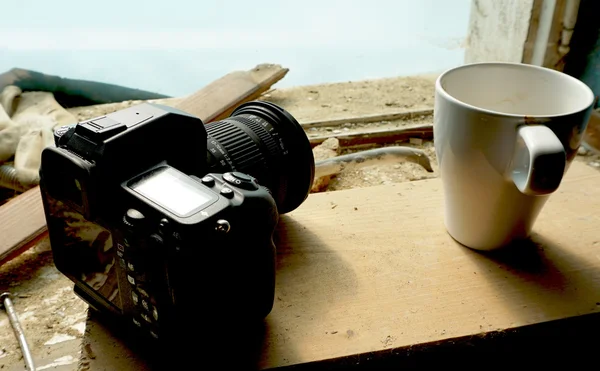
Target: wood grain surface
point(371, 272)
point(22, 222)
point(218, 99)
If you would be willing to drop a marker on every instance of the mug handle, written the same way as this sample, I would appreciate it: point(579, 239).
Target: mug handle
point(539, 161)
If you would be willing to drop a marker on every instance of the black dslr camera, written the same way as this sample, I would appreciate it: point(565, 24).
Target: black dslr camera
point(158, 218)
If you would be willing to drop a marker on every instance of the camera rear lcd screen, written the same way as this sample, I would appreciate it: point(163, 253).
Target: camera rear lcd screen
point(170, 191)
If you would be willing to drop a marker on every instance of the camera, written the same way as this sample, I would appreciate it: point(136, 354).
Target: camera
point(159, 218)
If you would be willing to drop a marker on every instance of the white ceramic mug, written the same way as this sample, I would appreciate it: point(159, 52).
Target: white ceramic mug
point(505, 134)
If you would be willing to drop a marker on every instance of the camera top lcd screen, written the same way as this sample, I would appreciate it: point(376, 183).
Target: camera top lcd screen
point(174, 191)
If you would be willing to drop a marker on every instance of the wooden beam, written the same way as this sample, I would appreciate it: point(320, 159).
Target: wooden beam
point(218, 99)
point(377, 136)
point(22, 219)
point(406, 115)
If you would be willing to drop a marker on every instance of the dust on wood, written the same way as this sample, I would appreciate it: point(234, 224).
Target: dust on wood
point(45, 299)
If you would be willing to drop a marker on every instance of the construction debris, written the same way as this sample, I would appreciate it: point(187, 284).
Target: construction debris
point(377, 136)
point(6, 302)
point(378, 156)
point(328, 149)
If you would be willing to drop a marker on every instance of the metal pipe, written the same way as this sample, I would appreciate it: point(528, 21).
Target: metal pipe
point(568, 25)
point(378, 156)
point(8, 179)
point(540, 46)
point(19, 333)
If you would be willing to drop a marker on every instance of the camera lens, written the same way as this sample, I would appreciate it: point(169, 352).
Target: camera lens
point(265, 141)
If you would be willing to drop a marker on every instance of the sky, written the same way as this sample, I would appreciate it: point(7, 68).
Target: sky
point(178, 46)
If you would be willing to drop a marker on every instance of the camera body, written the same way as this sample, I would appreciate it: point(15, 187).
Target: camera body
point(146, 233)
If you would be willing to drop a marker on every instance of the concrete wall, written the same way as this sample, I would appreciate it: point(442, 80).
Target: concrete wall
point(498, 30)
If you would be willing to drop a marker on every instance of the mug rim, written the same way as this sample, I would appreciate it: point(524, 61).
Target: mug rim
point(446, 95)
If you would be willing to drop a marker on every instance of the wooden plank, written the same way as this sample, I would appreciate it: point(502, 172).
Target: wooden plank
point(371, 273)
point(374, 269)
point(377, 136)
point(22, 219)
point(368, 118)
point(218, 99)
point(22, 222)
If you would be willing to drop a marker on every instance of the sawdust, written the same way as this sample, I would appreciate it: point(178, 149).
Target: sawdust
point(406, 171)
point(48, 309)
point(344, 100)
point(44, 298)
point(326, 101)
point(363, 98)
point(379, 174)
point(356, 98)
point(386, 174)
point(353, 128)
point(590, 158)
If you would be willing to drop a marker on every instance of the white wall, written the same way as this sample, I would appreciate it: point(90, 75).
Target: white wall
point(498, 30)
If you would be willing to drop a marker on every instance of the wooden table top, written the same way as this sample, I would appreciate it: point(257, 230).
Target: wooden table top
point(366, 271)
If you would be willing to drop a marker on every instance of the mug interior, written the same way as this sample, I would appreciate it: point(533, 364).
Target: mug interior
point(517, 89)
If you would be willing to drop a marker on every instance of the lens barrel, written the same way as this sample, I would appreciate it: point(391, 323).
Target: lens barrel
point(265, 141)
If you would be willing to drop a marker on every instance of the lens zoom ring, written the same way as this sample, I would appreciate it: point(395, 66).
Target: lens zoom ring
point(239, 146)
point(266, 138)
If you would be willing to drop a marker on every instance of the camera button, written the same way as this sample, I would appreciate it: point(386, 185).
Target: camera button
point(163, 226)
point(135, 297)
point(146, 317)
point(156, 241)
point(133, 218)
point(137, 323)
point(222, 226)
point(208, 181)
point(143, 292)
point(227, 192)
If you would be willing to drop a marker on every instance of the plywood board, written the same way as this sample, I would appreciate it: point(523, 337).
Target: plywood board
point(22, 222)
point(372, 271)
point(218, 99)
